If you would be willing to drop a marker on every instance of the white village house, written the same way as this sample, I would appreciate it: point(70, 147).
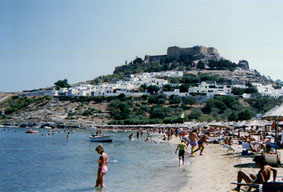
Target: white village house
point(131, 87)
point(268, 90)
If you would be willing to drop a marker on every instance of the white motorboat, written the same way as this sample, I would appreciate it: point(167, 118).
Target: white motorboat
point(96, 138)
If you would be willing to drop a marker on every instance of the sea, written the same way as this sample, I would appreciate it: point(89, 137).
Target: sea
point(40, 163)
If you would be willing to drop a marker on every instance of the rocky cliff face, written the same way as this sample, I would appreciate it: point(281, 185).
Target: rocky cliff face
point(243, 64)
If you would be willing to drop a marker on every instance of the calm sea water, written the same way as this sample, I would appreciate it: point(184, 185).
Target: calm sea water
point(31, 162)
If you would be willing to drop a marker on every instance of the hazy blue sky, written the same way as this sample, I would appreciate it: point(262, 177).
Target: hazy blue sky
point(42, 41)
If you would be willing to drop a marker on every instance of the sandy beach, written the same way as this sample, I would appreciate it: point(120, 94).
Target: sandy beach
point(217, 169)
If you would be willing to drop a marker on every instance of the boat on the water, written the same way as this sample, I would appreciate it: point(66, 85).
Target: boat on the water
point(31, 131)
point(97, 138)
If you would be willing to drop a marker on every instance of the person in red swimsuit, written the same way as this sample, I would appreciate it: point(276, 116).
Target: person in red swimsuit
point(102, 166)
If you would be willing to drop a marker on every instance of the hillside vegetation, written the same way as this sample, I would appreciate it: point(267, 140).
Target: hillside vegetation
point(154, 109)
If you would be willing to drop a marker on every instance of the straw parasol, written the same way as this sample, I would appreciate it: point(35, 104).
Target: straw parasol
point(275, 114)
point(254, 123)
point(219, 124)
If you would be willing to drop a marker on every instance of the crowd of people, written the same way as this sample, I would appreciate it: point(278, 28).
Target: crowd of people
point(194, 140)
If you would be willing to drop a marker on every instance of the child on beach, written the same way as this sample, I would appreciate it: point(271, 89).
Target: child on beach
point(182, 146)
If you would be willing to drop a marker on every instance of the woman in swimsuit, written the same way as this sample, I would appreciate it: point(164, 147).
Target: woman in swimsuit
point(262, 176)
point(102, 166)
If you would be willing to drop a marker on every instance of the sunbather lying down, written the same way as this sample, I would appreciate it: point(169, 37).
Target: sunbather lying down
point(262, 176)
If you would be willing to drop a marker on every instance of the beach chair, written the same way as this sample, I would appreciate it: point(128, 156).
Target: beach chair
point(266, 187)
point(246, 147)
point(269, 186)
point(272, 187)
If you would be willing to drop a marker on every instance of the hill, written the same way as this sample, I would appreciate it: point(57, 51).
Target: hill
point(191, 60)
point(196, 64)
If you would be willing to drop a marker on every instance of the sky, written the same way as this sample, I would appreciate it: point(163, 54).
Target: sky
point(42, 41)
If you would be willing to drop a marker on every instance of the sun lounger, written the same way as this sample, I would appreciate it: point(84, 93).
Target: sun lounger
point(266, 187)
point(234, 148)
point(246, 146)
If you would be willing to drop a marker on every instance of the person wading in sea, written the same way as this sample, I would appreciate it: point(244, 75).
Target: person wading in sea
point(102, 166)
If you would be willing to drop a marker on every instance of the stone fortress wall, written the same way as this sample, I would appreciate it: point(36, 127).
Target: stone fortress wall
point(177, 51)
point(174, 52)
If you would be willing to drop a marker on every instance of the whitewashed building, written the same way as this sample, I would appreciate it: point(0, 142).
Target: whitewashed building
point(268, 90)
point(211, 89)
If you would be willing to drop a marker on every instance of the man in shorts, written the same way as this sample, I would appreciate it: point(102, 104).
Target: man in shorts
point(202, 140)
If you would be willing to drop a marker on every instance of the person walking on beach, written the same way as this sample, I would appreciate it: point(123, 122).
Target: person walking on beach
point(202, 140)
point(193, 140)
point(262, 176)
point(102, 166)
point(182, 146)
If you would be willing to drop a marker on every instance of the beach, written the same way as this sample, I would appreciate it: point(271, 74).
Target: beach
point(216, 169)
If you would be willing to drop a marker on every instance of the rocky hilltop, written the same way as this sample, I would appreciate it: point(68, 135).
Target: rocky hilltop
point(177, 58)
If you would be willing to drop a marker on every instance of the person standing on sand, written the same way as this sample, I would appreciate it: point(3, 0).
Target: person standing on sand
point(193, 140)
point(102, 166)
point(182, 146)
point(202, 140)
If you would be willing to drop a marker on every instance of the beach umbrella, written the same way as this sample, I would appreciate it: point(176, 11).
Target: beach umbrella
point(275, 114)
point(255, 123)
point(219, 124)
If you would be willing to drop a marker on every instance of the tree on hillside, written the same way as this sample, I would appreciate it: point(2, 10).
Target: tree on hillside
point(195, 113)
point(238, 91)
point(245, 114)
point(143, 88)
point(167, 87)
point(200, 65)
point(175, 99)
point(62, 84)
point(153, 89)
point(251, 90)
point(184, 88)
point(190, 100)
point(233, 116)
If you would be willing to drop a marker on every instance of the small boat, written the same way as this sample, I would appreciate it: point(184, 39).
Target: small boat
point(96, 138)
point(31, 131)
